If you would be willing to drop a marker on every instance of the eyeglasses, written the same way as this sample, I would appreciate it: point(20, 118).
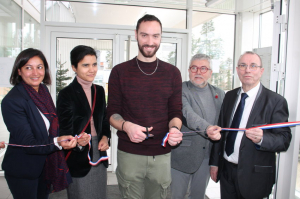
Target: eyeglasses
point(203, 69)
point(252, 67)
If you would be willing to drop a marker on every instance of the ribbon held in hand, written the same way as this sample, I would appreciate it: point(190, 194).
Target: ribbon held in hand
point(263, 127)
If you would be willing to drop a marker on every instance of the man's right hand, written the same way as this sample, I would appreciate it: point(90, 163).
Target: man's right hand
point(213, 132)
point(214, 173)
point(135, 132)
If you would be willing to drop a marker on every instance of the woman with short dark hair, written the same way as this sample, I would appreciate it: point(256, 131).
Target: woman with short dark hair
point(36, 166)
point(81, 109)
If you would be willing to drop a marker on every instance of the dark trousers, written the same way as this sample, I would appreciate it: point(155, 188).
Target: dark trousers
point(27, 188)
point(229, 182)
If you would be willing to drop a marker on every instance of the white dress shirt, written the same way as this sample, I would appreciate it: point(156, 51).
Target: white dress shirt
point(249, 101)
point(47, 123)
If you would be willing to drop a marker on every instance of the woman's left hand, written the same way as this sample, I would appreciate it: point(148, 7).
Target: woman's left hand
point(103, 144)
point(84, 139)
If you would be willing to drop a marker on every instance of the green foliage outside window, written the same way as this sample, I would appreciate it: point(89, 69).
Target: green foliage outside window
point(61, 77)
point(212, 46)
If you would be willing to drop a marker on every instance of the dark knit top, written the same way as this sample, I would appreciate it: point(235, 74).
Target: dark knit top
point(146, 100)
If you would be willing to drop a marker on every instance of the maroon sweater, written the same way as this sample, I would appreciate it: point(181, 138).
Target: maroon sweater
point(146, 100)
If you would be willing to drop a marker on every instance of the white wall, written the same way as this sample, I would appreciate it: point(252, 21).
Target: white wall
point(289, 161)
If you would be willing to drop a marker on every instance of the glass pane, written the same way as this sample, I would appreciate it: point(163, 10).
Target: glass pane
point(4, 134)
point(10, 29)
point(266, 34)
point(10, 46)
point(167, 52)
point(297, 191)
point(36, 4)
point(213, 35)
point(31, 32)
point(111, 14)
point(175, 4)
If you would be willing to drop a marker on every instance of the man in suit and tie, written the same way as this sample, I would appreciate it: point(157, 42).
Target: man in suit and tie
point(244, 161)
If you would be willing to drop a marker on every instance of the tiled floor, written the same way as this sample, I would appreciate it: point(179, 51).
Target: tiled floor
point(4, 191)
point(212, 190)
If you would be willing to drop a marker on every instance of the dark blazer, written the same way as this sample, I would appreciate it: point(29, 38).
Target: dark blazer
point(74, 112)
point(256, 166)
point(26, 127)
point(194, 119)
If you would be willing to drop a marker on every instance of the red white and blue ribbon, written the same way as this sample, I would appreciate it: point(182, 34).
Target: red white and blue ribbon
point(263, 127)
point(101, 159)
point(164, 142)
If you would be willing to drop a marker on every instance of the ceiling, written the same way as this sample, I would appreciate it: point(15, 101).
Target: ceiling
point(113, 11)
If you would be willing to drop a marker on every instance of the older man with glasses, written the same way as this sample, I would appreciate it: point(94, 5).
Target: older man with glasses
point(201, 106)
point(244, 161)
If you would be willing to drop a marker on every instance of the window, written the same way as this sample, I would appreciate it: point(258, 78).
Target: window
point(213, 35)
point(31, 32)
point(12, 36)
point(266, 29)
point(111, 14)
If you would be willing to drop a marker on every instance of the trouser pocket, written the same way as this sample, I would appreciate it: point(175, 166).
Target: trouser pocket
point(123, 185)
point(164, 189)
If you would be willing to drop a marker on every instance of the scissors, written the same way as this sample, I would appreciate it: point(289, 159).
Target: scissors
point(148, 135)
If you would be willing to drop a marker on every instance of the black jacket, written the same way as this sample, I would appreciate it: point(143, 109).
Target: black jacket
point(74, 112)
point(256, 166)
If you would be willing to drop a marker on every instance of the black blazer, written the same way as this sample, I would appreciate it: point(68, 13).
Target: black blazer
point(74, 112)
point(256, 167)
point(26, 127)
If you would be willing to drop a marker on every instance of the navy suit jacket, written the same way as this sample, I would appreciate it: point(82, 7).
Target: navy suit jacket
point(256, 166)
point(26, 127)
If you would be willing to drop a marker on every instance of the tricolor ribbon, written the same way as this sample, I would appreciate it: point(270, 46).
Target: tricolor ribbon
point(263, 127)
point(101, 159)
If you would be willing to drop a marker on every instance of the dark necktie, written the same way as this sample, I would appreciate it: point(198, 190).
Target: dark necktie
point(235, 124)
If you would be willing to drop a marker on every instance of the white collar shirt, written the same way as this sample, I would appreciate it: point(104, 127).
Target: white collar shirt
point(249, 101)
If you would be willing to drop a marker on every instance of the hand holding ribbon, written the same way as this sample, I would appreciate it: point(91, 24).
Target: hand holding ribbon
point(83, 139)
point(175, 137)
point(67, 141)
point(103, 158)
point(255, 133)
point(214, 132)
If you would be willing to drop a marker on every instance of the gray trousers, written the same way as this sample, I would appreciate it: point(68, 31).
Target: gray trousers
point(194, 184)
point(94, 184)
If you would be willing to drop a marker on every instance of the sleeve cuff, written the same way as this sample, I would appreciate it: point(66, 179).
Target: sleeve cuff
point(260, 141)
point(257, 145)
point(56, 143)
